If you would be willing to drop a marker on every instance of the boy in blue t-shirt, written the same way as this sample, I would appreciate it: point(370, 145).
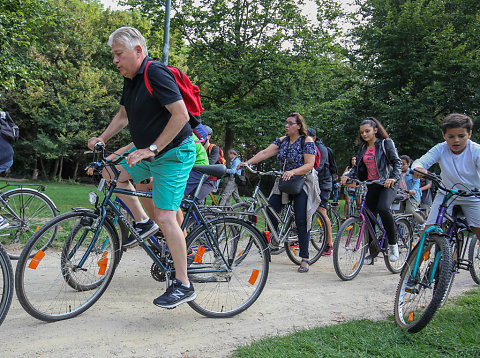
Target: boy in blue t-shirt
point(459, 160)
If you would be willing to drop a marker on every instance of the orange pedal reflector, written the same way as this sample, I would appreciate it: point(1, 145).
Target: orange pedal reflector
point(199, 254)
point(426, 255)
point(38, 227)
point(253, 277)
point(102, 264)
point(36, 259)
point(410, 317)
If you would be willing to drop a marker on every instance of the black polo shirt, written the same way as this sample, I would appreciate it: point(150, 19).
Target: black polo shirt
point(147, 114)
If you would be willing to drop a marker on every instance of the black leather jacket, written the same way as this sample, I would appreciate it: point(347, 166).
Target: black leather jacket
point(389, 165)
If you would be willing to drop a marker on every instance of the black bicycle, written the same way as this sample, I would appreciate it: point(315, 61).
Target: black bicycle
point(26, 208)
point(66, 277)
point(6, 283)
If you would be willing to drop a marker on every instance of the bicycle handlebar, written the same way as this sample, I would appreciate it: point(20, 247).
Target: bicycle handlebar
point(437, 181)
point(276, 173)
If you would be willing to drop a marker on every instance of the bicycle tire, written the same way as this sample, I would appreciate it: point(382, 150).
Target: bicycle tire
point(415, 307)
point(317, 243)
point(6, 284)
point(334, 220)
point(474, 257)
point(404, 240)
point(33, 208)
point(230, 292)
point(51, 286)
point(347, 259)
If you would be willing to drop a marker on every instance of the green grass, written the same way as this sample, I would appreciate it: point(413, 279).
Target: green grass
point(453, 332)
point(64, 195)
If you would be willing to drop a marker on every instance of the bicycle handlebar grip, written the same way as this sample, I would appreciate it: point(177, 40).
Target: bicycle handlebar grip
point(99, 146)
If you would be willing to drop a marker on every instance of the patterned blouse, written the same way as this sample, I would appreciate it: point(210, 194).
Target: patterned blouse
point(295, 153)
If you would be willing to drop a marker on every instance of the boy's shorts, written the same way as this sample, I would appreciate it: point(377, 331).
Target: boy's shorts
point(170, 172)
point(470, 208)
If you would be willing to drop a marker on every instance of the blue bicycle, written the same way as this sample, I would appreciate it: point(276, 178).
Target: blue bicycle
point(428, 275)
point(228, 258)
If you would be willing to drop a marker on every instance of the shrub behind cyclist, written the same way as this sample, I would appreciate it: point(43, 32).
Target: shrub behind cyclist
point(459, 160)
point(377, 159)
point(298, 162)
point(159, 128)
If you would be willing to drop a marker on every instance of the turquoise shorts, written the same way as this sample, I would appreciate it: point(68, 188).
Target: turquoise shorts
point(170, 172)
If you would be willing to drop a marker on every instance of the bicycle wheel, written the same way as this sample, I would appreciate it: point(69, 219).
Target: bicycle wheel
point(418, 298)
point(55, 284)
point(404, 241)
point(349, 249)
point(32, 209)
point(229, 279)
point(334, 219)
point(318, 240)
point(474, 257)
point(6, 284)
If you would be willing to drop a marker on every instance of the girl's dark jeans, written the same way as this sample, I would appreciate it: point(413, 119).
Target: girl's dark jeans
point(378, 200)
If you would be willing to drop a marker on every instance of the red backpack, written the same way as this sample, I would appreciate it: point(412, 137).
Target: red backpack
point(189, 91)
point(221, 156)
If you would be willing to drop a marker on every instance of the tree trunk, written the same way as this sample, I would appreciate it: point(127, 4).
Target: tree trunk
point(75, 172)
point(42, 168)
point(55, 167)
point(35, 170)
point(60, 168)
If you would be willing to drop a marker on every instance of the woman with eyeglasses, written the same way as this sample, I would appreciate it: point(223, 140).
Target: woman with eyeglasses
point(295, 158)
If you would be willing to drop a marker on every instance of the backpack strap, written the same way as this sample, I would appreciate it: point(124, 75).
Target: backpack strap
point(145, 77)
point(384, 151)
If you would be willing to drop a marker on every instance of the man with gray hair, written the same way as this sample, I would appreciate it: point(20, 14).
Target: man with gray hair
point(159, 127)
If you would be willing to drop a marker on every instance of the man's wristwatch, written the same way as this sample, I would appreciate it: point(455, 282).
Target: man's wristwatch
point(153, 148)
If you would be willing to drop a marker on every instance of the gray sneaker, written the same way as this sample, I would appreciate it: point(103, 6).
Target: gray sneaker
point(175, 295)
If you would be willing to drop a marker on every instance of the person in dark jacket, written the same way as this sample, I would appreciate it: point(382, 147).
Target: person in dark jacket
point(325, 184)
point(6, 161)
point(377, 159)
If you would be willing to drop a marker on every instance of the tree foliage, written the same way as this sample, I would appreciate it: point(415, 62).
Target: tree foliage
point(420, 61)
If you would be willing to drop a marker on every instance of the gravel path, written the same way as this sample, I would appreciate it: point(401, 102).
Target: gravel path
point(125, 323)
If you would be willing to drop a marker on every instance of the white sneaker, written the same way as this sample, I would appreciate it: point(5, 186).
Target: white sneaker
point(393, 251)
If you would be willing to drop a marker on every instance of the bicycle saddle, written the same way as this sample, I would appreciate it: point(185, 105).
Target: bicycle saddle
point(216, 170)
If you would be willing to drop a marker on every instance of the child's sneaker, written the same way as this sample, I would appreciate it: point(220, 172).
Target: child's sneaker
point(175, 295)
point(328, 251)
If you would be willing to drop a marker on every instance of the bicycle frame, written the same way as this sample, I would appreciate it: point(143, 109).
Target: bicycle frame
point(262, 203)
point(370, 221)
point(437, 228)
point(108, 203)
